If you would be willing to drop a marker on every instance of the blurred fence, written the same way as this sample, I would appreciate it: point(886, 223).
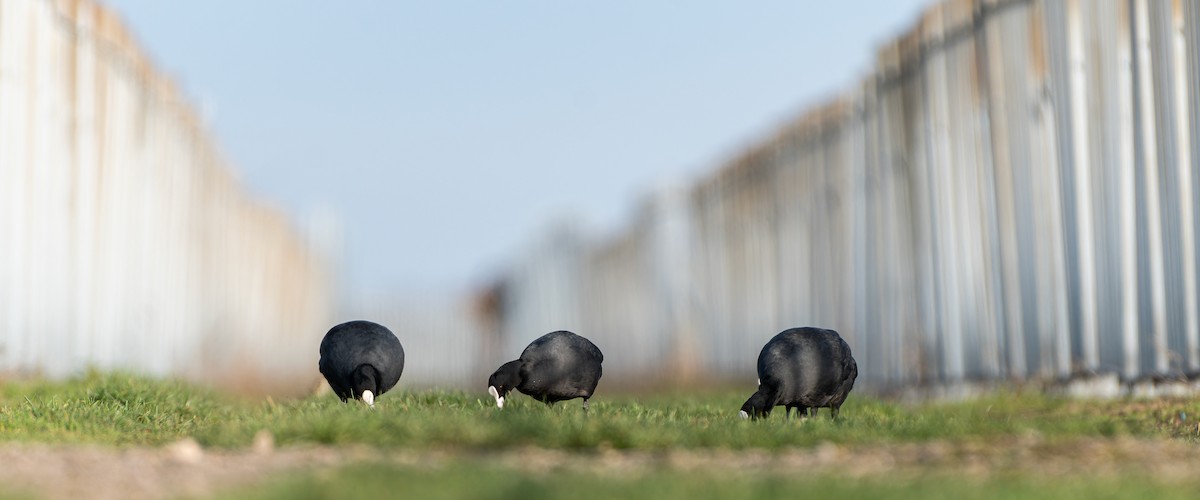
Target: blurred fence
point(1012, 193)
point(124, 240)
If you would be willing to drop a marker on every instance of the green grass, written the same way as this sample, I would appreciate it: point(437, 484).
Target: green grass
point(476, 440)
point(464, 480)
point(710, 421)
point(110, 409)
point(118, 409)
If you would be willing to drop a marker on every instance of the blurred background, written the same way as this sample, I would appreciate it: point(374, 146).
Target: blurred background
point(968, 190)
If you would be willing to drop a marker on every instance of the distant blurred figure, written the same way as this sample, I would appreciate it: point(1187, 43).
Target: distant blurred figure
point(556, 367)
point(361, 360)
point(802, 368)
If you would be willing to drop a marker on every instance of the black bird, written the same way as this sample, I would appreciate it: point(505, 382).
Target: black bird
point(802, 368)
point(361, 359)
point(556, 367)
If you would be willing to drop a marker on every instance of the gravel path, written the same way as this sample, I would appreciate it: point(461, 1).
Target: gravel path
point(184, 469)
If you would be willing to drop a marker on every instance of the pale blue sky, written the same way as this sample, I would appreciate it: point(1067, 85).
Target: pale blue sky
point(446, 134)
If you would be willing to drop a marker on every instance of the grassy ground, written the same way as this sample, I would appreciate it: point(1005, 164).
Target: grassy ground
point(123, 410)
point(1006, 436)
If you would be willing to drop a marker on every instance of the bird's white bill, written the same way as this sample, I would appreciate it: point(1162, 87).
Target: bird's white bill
point(743, 414)
point(368, 398)
point(496, 394)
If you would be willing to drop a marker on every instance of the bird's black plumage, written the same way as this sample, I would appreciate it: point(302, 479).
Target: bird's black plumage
point(803, 368)
point(360, 356)
point(557, 366)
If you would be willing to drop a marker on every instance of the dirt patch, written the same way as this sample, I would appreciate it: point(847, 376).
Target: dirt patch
point(181, 469)
point(1162, 459)
point(184, 469)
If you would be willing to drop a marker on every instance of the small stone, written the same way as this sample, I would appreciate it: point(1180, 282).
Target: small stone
point(187, 451)
point(264, 442)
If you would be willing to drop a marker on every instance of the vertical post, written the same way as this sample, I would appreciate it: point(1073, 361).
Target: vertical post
point(1148, 165)
point(1189, 166)
point(1077, 93)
